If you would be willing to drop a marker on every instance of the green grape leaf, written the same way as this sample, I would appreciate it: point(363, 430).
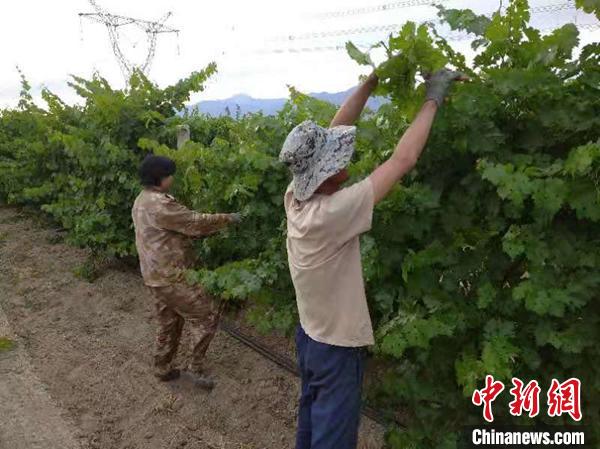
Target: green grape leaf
point(464, 19)
point(486, 294)
point(499, 357)
point(360, 57)
point(549, 195)
point(581, 159)
point(590, 6)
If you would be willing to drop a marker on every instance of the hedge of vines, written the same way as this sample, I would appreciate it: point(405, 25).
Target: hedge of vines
point(485, 260)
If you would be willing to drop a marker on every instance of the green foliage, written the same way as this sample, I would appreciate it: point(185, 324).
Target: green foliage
point(6, 344)
point(484, 261)
point(465, 20)
point(591, 6)
point(359, 56)
point(486, 255)
point(79, 163)
point(92, 268)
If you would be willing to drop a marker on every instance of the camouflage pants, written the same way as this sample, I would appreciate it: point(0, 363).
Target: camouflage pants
point(176, 304)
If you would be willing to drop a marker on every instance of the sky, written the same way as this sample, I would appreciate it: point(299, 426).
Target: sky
point(260, 46)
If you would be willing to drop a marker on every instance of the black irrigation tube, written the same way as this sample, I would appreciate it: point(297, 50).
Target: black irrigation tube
point(281, 360)
point(288, 364)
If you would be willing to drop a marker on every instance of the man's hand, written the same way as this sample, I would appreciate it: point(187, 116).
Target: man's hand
point(438, 84)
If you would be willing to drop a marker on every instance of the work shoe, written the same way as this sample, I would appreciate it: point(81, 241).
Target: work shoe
point(167, 376)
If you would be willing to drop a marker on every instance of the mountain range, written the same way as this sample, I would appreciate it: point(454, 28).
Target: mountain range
point(269, 106)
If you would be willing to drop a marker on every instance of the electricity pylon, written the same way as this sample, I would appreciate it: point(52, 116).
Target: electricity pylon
point(115, 22)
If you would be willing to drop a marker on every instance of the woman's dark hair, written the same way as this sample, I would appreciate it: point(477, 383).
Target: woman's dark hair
point(154, 169)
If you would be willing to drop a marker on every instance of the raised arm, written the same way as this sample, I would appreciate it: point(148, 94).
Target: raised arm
point(413, 141)
point(352, 107)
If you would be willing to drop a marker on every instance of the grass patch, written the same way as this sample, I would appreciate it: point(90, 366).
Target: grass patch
point(56, 238)
point(6, 344)
point(92, 268)
point(8, 220)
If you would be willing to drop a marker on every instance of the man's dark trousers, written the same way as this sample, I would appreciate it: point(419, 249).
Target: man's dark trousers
point(329, 412)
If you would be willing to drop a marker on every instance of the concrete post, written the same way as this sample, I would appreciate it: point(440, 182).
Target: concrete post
point(183, 135)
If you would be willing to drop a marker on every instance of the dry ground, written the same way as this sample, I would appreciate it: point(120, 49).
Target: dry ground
point(79, 373)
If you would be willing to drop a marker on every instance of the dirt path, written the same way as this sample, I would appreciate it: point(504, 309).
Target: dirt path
point(33, 420)
point(80, 373)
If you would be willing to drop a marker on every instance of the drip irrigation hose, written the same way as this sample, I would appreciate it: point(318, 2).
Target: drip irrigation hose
point(289, 365)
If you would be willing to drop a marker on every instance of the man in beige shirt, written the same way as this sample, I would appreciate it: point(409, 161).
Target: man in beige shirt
point(164, 230)
point(324, 223)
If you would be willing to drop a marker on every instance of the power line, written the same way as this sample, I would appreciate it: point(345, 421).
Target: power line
point(554, 7)
point(342, 32)
point(589, 26)
point(317, 48)
point(569, 5)
point(376, 8)
point(409, 4)
point(455, 36)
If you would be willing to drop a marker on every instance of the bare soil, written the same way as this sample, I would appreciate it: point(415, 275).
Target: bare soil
point(79, 375)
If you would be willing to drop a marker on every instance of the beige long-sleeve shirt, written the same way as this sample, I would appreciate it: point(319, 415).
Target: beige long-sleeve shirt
point(164, 230)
